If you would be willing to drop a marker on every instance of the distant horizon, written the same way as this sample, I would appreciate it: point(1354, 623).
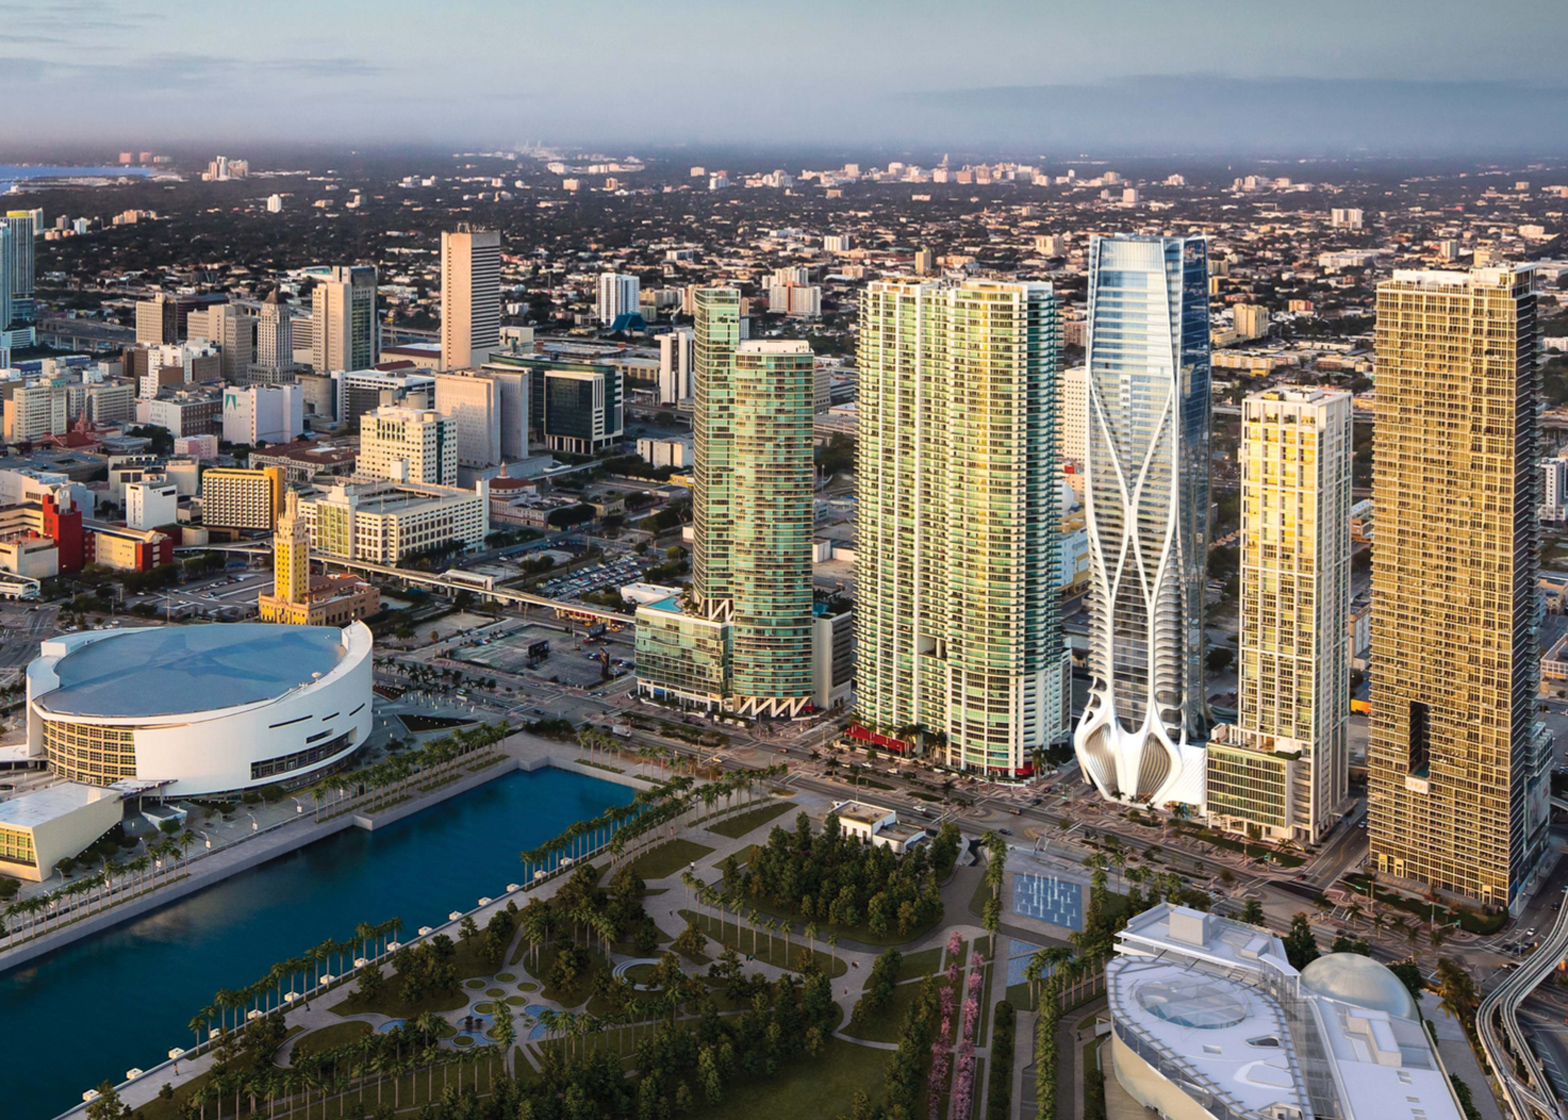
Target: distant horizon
point(1119, 76)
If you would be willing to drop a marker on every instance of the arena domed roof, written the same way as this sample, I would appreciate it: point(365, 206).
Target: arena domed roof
point(1362, 981)
point(178, 670)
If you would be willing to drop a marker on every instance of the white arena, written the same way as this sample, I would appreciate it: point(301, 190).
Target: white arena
point(201, 710)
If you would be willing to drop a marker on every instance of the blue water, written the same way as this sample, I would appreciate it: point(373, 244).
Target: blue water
point(1048, 899)
point(122, 999)
point(21, 172)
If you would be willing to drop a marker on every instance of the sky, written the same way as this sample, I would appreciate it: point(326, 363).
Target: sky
point(1154, 76)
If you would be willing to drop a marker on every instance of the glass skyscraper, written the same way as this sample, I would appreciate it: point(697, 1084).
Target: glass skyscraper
point(744, 641)
point(1147, 498)
point(957, 617)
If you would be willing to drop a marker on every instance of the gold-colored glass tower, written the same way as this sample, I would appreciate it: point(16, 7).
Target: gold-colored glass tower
point(1456, 759)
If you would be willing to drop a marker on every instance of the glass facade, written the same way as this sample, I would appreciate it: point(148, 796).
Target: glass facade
point(717, 318)
point(958, 628)
point(1456, 761)
point(682, 657)
point(773, 395)
point(93, 754)
point(1249, 788)
point(1147, 497)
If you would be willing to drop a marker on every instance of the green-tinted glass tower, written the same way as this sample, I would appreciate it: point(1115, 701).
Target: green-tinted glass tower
point(752, 507)
point(958, 625)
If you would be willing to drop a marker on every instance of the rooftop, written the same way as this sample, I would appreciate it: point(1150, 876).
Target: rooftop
point(29, 810)
point(175, 670)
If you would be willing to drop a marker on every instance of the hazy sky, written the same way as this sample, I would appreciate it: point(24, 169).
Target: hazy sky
point(1160, 75)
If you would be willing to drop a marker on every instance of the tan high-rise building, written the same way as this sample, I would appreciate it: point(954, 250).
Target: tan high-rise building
point(408, 445)
point(1283, 770)
point(1456, 761)
point(344, 332)
point(470, 297)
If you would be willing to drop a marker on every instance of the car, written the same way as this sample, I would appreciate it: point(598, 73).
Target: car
point(1005, 831)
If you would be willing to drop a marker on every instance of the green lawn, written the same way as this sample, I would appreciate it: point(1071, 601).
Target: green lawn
point(780, 954)
point(885, 1026)
point(338, 1034)
point(669, 858)
point(737, 826)
point(915, 965)
point(820, 1086)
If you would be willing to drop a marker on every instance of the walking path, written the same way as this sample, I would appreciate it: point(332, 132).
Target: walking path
point(527, 752)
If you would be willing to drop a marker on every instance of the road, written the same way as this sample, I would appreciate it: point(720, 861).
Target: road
point(1530, 1097)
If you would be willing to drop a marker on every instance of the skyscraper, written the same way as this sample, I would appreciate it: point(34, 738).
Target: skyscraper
point(772, 402)
point(1283, 770)
point(618, 295)
point(1147, 505)
point(744, 641)
point(5, 281)
point(470, 297)
point(25, 225)
point(1456, 761)
point(958, 631)
point(473, 402)
point(345, 334)
point(717, 328)
point(274, 342)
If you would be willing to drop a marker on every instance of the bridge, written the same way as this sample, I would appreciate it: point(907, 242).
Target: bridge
point(451, 581)
point(1530, 1097)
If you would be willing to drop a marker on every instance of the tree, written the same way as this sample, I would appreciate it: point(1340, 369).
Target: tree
point(1457, 991)
point(1301, 947)
point(1252, 912)
point(1409, 973)
point(107, 1106)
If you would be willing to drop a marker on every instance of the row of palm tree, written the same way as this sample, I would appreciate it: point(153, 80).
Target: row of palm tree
point(37, 914)
point(386, 1059)
point(233, 1008)
point(389, 780)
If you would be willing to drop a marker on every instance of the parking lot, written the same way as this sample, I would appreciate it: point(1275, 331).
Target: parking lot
point(614, 573)
point(571, 661)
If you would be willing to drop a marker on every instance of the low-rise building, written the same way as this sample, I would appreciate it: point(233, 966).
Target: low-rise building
point(874, 824)
point(382, 522)
point(45, 826)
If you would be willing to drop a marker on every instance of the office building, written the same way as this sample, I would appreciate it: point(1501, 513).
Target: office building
point(675, 365)
point(1346, 218)
point(746, 643)
point(925, 262)
point(24, 226)
point(1456, 760)
point(274, 342)
point(408, 445)
point(260, 414)
point(472, 401)
point(35, 411)
point(575, 407)
point(212, 710)
point(356, 392)
point(345, 334)
point(1147, 505)
point(151, 505)
point(470, 297)
point(382, 522)
point(301, 599)
point(1283, 770)
point(193, 411)
point(6, 279)
point(237, 498)
point(233, 331)
point(164, 320)
point(1209, 1021)
point(111, 404)
point(957, 619)
point(618, 296)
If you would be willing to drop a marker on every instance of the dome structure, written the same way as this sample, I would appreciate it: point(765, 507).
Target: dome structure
point(1355, 979)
